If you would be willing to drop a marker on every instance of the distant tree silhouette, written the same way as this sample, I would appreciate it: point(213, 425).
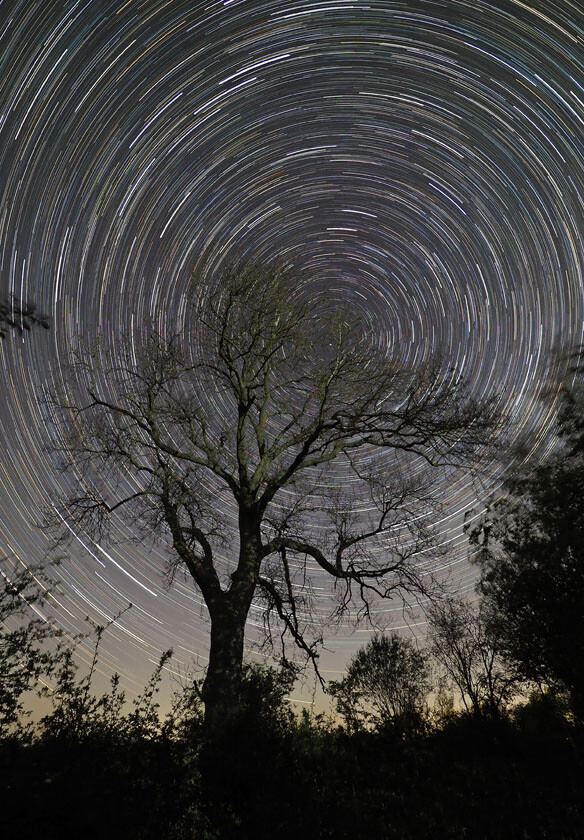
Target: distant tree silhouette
point(464, 642)
point(387, 682)
point(260, 403)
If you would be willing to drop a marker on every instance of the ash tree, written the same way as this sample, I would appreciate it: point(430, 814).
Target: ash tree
point(245, 441)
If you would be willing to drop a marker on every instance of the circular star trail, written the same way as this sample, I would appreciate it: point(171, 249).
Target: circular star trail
point(423, 162)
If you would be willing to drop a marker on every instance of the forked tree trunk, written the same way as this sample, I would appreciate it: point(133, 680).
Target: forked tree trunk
point(222, 686)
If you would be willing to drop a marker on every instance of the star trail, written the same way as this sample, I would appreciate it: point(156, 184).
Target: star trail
point(421, 161)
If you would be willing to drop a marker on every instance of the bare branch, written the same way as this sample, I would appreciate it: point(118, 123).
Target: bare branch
point(272, 407)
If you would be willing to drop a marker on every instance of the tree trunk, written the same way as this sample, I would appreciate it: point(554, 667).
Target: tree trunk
point(222, 686)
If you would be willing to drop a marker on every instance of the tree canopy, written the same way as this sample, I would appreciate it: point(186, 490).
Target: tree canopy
point(387, 683)
point(531, 555)
point(264, 400)
point(465, 644)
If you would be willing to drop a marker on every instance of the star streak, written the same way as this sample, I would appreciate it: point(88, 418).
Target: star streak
point(422, 161)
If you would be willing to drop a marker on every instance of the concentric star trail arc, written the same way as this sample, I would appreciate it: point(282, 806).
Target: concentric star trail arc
point(421, 161)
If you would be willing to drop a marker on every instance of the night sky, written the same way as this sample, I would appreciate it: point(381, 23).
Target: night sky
point(422, 161)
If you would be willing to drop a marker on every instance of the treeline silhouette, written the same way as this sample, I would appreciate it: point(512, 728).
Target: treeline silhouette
point(91, 770)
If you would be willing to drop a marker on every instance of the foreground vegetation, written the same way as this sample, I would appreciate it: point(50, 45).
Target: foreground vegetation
point(92, 771)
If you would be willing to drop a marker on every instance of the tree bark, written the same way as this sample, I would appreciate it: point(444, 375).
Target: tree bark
point(222, 686)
